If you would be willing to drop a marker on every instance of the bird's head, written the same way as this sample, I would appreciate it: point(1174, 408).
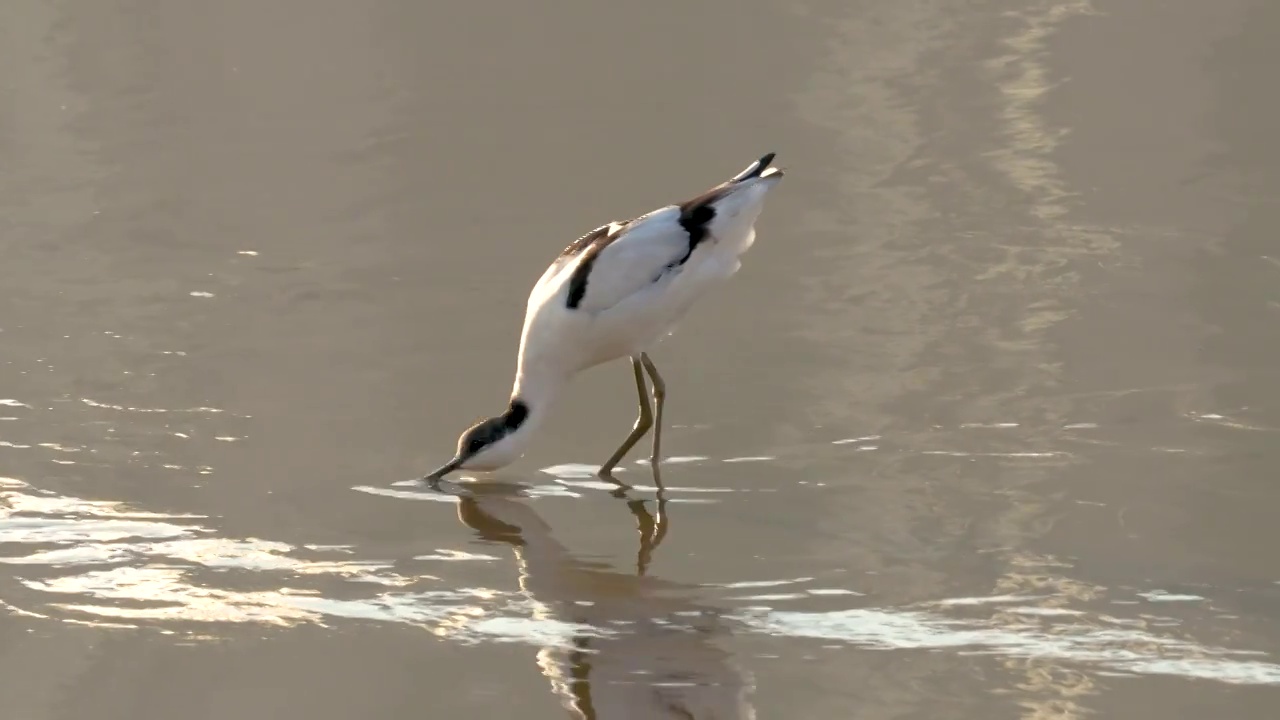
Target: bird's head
point(491, 443)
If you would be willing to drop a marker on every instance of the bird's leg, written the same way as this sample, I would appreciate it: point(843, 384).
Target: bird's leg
point(643, 422)
point(659, 398)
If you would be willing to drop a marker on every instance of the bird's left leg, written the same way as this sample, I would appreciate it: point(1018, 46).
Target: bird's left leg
point(659, 398)
point(643, 423)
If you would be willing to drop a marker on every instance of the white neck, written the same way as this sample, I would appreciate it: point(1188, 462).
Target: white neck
point(539, 379)
point(539, 394)
point(537, 384)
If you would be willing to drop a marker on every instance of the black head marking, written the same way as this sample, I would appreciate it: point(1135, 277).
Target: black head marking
point(480, 435)
point(517, 412)
point(490, 431)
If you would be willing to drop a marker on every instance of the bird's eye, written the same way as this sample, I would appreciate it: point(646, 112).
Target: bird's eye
point(474, 445)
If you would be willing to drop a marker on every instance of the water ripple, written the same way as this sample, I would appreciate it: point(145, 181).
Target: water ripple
point(1118, 649)
point(99, 562)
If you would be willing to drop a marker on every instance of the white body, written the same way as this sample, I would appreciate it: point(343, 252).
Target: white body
point(624, 311)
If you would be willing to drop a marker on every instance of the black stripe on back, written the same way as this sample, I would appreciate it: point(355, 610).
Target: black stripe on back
point(588, 247)
point(582, 243)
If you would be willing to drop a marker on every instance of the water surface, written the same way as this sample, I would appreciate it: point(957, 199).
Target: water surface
point(985, 427)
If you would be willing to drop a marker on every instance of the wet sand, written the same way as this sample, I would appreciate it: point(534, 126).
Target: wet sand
point(986, 426)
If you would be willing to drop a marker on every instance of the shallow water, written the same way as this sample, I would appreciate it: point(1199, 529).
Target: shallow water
point(985, 427)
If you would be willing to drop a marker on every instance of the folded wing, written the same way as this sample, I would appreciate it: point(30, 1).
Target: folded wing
point(624, 259)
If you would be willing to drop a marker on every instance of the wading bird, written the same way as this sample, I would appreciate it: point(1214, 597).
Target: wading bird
point(616, 292)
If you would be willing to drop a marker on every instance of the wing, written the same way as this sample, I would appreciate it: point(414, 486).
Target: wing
point(625, 258)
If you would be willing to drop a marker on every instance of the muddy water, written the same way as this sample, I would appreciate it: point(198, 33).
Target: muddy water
point(987, 426)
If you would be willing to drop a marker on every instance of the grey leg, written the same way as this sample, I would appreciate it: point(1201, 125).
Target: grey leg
point(643, 422)
point(659, 399)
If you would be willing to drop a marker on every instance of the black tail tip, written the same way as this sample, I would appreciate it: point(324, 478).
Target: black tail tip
point(755, 168)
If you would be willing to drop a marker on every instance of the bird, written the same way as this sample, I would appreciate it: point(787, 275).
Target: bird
point(615, 293)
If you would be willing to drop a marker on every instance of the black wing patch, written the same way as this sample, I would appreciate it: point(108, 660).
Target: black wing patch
point(697, 214)
point(695, 217)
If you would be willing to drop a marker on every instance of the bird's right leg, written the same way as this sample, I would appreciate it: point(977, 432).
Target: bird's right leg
point(643, 422)
point(659, 399)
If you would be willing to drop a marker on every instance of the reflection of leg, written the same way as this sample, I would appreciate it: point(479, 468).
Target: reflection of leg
point(652, 527)
point(659, 398)
point(660, 513)
point(643, 422)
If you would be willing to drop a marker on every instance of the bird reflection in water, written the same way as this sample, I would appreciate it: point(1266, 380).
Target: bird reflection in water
point(647, 647)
